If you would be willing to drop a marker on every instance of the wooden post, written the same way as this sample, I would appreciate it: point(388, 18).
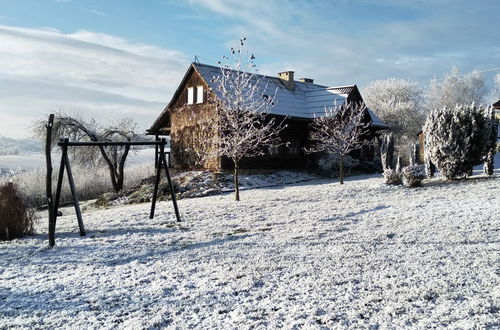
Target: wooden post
point(157, 182)
point(60, 178)
point(156, 152)
point(171, 186)
point(48, 159)
point(73, 189)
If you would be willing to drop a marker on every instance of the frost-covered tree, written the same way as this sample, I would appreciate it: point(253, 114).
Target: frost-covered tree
point(399, 103)
point(340, 130)
point(242, 105)
point(457, 139)
point(387, 151)
point(75, 128)
point(492, 126)
point(456, 88)
point(495, 91)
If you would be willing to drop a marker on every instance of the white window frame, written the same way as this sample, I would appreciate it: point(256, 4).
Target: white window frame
point(190, 96)
point(199, 94)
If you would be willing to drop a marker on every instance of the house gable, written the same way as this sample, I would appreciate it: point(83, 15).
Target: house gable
point(192, 78)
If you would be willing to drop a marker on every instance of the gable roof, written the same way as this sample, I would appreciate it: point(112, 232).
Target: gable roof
point(496, 104)
point(306, 100)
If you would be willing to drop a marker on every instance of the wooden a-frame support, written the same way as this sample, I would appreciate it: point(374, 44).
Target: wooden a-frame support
point(65, 165)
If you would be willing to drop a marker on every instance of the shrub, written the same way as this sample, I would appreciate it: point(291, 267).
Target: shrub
point(392, 176)
point(457, 139)
point(16, 218)
point(413, 175)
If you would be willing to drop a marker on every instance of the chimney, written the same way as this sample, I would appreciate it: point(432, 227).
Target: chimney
point(287, 79)
point(307, 80)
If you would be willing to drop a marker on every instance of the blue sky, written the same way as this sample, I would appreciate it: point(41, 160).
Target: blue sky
point(107, 58)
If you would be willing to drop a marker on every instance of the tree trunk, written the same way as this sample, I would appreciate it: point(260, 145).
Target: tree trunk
point(341, 169)
point(116, 171)
point(236, 181)
point(120, 173)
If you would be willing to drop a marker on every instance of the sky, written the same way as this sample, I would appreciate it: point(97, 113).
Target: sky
point(107, 59)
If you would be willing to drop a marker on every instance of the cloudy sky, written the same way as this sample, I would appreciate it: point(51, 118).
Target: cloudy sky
point(109, 58)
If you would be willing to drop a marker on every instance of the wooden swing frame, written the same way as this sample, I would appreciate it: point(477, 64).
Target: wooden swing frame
point(160, 161)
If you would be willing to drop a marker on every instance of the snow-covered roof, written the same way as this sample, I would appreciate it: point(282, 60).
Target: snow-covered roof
point(305, 100)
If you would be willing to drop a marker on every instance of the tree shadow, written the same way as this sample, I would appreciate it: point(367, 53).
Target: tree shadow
point(355, 214)
point(443, 182)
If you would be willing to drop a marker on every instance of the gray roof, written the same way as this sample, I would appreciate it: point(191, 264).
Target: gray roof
point(306, 100)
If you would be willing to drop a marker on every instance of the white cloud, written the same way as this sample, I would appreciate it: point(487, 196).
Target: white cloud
point(322, 40)
point(45, 69)
point(96, 12)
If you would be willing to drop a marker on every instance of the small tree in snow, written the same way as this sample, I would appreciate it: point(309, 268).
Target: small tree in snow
point(456, 88)
point(242, 104)
point(341, 130)
point(457, 139)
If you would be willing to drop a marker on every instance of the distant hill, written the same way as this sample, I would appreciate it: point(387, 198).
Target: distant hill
point(10, 146)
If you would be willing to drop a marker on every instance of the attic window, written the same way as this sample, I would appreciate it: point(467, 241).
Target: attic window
point(199, 94)
point(195, 94)
point(190, 95)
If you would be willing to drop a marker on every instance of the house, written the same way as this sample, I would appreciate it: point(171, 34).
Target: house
point(496, 106)
point(296, 102)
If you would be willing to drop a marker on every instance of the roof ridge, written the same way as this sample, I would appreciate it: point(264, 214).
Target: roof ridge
point(260, 74)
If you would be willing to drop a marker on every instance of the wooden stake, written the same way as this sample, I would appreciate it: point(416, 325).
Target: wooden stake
point(171, 186)
point(157, 182)
point(48, 159)
point(73, 189)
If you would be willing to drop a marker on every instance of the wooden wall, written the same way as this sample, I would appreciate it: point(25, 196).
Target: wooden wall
point(191, 127)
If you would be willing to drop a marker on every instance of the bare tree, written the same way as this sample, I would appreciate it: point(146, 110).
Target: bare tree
point(495, 92)
point(242, 103)
point(399, 103)
point(341, 130)
point(456, 89)
point(77, 129)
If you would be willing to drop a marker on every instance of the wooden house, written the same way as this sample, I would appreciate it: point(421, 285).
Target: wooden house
point(296, 102)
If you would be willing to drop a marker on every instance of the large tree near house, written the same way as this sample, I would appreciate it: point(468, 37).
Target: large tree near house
point(242, 104)
point(77, 129)
point(340, 130)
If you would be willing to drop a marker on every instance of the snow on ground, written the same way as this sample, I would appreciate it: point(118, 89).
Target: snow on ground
point(312, 255)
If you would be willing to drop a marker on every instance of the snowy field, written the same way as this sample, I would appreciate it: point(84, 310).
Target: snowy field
point(309, 255)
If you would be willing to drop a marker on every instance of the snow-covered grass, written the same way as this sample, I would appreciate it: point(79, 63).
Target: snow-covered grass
point(312, 255)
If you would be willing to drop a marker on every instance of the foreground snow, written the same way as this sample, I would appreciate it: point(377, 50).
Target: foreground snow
point(314, 254)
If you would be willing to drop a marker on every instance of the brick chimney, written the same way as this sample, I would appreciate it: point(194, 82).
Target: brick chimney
point(287, 79)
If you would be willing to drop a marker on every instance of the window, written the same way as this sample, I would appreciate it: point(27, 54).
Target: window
point(274, 151)
point(190, 95)
point(195, 94)
point(199, 94)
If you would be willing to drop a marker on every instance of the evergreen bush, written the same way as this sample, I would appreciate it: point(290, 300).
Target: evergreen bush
point(413, 175)
point(457, 139)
